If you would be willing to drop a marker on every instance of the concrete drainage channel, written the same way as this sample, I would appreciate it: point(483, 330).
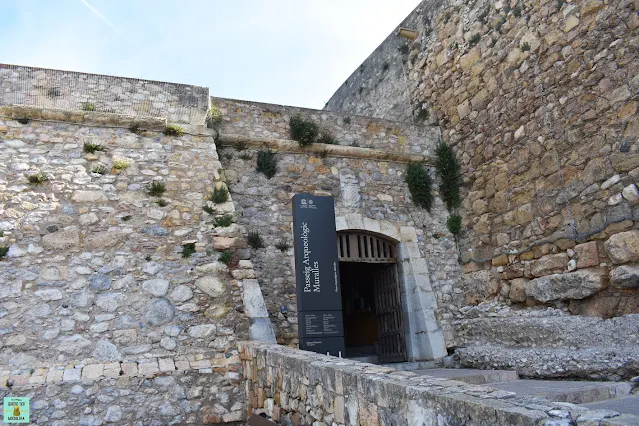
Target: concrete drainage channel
point(612, 396)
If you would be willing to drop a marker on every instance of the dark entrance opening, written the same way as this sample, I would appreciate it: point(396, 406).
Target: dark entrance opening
point(371, 298)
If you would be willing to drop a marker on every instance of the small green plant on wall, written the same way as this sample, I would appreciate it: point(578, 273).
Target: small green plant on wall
point(220, 195)
point(3, 251)
point(255, 240)
point(92, 147)
point(173, 130)
point(453, 223)
point(188, 250)
point(214, 117)
point(303, 130)
point(420, 185)
point(223, 221)
point(38, 178)
point(450, 173)
point(99, 169)
point(157, 188)
point(266, 163)
point(88, 106)
point(226, 256)
point(121, 164)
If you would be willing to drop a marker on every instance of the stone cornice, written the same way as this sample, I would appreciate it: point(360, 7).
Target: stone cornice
point(289, 146)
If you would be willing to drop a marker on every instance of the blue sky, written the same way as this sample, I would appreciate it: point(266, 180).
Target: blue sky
point(292, 52)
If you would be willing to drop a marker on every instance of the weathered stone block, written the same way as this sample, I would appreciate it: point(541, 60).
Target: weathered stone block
point(211, 285)
point(587, 254)
point(65, 240)
point(623, 247)
point(549, 264)
point(480, 286)
point(573, 285)
point(518, 290)
point(625, 276)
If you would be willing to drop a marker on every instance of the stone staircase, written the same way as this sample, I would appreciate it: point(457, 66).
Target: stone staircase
point(612, 396)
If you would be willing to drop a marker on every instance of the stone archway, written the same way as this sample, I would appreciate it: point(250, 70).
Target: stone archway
point(424, 336)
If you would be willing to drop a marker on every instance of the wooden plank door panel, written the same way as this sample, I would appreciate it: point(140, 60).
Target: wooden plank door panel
point(392, 339)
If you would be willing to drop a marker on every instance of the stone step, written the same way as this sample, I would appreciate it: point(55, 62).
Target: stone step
point(574, 392)
point(625, 405)
point(602, 363)
point(413, 366)
point(471, 376)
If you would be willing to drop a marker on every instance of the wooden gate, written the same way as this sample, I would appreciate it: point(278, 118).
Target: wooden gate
point(390, 321)
point(365, 248)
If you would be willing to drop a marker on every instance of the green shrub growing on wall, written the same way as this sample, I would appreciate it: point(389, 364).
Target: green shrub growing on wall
point(450, 173)
point(223, 221)
point(266, 163)
point(173, 130)
point(88, 106)
point(3, 251)
point(38, 178)
point(188, 250)
point(453, 223)
point(157, 188)
point(474, 40)
point(303, 130)
point(226, 256)
point(214, 117)
point(420, 185)
point(255, 240)
point(220, 195)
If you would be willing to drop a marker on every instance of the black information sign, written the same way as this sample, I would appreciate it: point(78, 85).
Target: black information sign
point(319, 299)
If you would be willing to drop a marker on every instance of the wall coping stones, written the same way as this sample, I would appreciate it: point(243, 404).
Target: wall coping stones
point(291, 146)
point(365, 394)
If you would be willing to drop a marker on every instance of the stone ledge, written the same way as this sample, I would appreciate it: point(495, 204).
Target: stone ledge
point(272, 372)
point(143, 367)
point(291, 146)
point(82, 117)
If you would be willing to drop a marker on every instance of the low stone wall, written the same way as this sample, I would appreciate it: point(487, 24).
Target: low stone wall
point(69, 90)
point(260, 120)
point(295, 387)
point(191, 389)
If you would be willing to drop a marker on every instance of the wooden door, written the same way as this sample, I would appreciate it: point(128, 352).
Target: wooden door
point(390, 321)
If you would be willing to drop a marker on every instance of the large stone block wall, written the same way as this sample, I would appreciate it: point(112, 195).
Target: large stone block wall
point(95, 273)
point(68, 90)
point(293, 387)
point(539, 101)
point(363, 187)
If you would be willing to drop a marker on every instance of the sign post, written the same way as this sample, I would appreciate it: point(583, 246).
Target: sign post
point(319, 296)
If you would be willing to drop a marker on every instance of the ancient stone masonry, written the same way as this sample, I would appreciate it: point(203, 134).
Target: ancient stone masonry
point(68, 90)
point(303, 388)
point(96, 277)
point(364, 188)
point(539, 100)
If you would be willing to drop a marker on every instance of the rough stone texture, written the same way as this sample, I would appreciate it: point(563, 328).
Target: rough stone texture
point(46, 88)
point(83, 288)
point(294, 387)
point(573, 285)
point(623, 247)
point(626, 276)
point(265, 206)
point(538, 100)
point(192, 389)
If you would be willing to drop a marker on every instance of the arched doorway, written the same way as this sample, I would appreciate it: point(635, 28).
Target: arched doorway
point(371, 297)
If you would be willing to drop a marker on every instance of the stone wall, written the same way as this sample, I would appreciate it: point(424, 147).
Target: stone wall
point(539, 100)
point(185, 389)
point(260, 120)
point(95, 271)
point(68, 90)
point(365, 190)
point(294, 387)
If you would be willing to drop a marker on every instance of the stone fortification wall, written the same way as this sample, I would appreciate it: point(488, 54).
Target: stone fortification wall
point(272, 121)
point(295, 387)
point(365, 190)
point(539, 100)
point(95, 271)
point(380, 86)
point(68, 90)
point(197, 389)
